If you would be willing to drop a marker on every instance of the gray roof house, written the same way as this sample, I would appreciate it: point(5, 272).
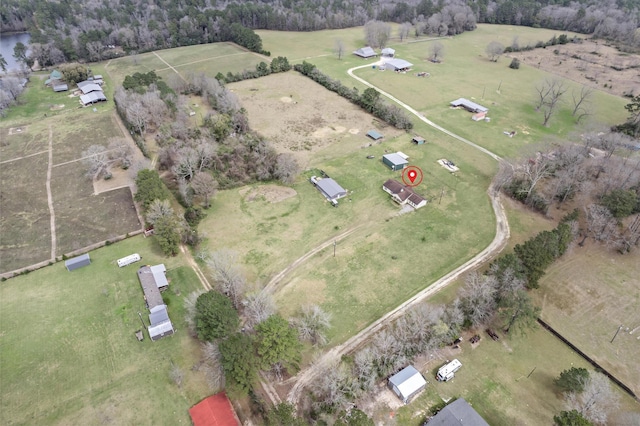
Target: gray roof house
point(60, 87)
point(365, 52)
point(160, 324)
point(458, 413)
point(407, 383)
point(389, 52)
point(77, 262)
point(469, 105)
point(330, 189)
point(150, 287)
point(397, 65)
point(92, 98)
point(89, 87)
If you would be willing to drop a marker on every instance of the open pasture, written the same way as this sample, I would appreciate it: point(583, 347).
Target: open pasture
point(388, 257)
point(493, 379)
point(69, 354)
point(203, 58)
point(81, 217)
point(588, 305)
point(465, 72)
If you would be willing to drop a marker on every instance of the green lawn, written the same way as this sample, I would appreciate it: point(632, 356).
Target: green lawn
point(493, 379)
point(68, 353)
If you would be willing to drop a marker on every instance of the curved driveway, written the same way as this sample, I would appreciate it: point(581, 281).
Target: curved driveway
point(332, 357)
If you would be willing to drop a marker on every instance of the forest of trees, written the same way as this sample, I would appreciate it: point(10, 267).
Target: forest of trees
point(85, 30)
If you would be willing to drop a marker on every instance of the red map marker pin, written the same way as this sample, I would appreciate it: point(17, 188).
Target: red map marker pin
point(412, 175)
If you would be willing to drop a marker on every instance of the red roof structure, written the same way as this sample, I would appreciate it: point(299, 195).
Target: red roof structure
point(215, 410)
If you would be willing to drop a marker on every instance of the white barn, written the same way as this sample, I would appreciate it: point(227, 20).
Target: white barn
point(407, 383)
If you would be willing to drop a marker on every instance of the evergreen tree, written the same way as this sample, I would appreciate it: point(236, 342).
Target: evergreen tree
point(215, 316)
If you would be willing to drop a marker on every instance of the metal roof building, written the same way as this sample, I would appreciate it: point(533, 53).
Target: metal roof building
point(77, 262)
point(330, 188)
point(60, 88)
point(397, 65)
point(407, 383)
point(458, 413)
point(149, 287)
point(373, 134)
point(469, 105)
point(365, 52)
point(395, 161)
point(387, 51)
point(159, 323)
point(215, 410)
point(92, 98)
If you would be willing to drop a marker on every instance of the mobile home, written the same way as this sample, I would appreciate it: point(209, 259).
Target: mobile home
point(447, 371)
point(128, 260)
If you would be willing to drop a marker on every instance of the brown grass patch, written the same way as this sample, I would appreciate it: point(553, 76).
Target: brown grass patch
point(270, 193)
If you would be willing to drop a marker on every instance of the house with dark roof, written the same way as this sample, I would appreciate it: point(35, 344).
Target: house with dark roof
point(395, 161)
point(469, 105)
point(407, 383)
point(215, 410)
point(365, 52)
point(458, 413)
point(403, 195)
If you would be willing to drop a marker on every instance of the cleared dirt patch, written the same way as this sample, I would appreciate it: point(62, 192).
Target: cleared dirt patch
point(299, 116)
point(270, 193)
point(590, 63)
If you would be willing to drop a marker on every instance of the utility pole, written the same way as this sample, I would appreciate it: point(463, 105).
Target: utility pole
point(334, 248)
point(142, 321)
point(617, 331)
point(441, 194)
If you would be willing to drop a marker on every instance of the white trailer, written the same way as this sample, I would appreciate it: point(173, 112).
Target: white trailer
point(128, 260)
point(447, 371)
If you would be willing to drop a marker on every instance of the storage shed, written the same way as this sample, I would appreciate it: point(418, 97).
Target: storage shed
point(407, 383)
point(159, 323)
point(365, 52)
point(469, 105)
point(418, 140)
point(77, 262)
point(60, 87)
point(397, 65)
point(373, 134)
point(395, 161)
point(388, 52)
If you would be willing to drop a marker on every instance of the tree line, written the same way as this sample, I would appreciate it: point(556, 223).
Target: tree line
point(370, 99)
point(89, 31)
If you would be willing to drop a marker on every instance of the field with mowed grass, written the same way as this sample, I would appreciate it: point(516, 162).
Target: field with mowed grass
point(465, 72)
point(68, 353)
point(493, 379)
point(82, 216)
point(209, 59)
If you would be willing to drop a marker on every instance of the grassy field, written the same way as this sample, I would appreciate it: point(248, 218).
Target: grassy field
point(203, 58)
point(589, 308)
point(82, 217)
point(493, 379)
point(68, 353)
point(465, 72)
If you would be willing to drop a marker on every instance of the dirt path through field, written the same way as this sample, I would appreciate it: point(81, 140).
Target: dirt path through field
point(333, 356)
point(169, 65)
point(52, 215)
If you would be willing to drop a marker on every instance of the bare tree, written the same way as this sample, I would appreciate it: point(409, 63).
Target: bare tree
point(287, 168)
point(581, 103)
point(377, 33)
point(596, 401)
point(205, 186)
point(403, 30)
point(478, 297)
point(339, 48)
point(190, 308)
point(212, 360)
point(313, 324)
point(364, 369)
point(534, 170)
point(600, 223)
point(157, 210)
point(227, 274)
point(549, 93)
point(176, 375)
point(388, 353)
point(258, 307)
point(333, 388)
point(97, 159)
point(437, 52)
point(494, 50)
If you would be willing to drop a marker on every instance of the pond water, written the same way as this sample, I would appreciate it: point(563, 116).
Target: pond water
point(7, 42)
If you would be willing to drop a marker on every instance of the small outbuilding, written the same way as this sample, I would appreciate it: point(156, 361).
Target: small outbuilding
point(395, 161)
point(159, 323)
point(77, 262)
point(398, 65)
point(388, 52)
point(469, 105)
point(92, 98)
point(365, 52)
point(418, 140)
point(373, 134)
point(60, 87)
point(458, 413)
point(128, 260)
point(215, 410)
point(407, 383)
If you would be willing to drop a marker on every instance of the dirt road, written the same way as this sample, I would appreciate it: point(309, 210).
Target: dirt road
point(330, 358)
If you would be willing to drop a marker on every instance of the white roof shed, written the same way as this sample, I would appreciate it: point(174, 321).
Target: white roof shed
point(407, 383)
